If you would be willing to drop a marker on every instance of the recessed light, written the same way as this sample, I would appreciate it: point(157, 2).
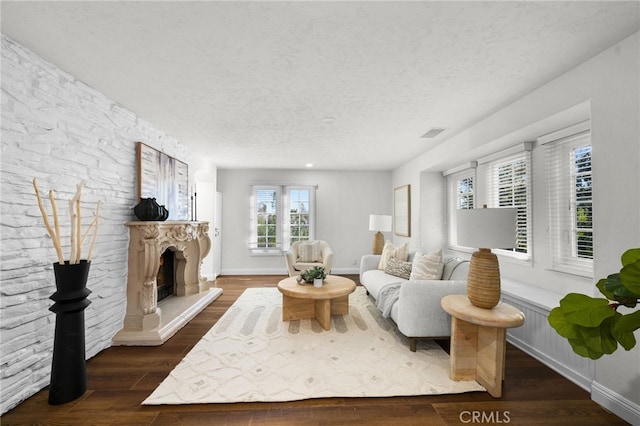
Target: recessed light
point(328, 120)
point(309, 165)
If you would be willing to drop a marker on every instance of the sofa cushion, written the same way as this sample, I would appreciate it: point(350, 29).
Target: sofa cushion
point(389, 250)
point(303, 266)
point(398, 268)
point(375, 279)
point(427, 266)
point(309, 252)
point(455, 269)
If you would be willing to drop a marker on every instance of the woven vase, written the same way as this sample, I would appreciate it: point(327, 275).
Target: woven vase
point(483, 282)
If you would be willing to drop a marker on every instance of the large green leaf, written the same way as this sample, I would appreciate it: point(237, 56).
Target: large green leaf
point(622, 332)
point(602, 286)
point(557, 320)
point(585, 311)
point(628, 323)
point(630, 256)
point(580, 347)
point(630, 277)
point(600, 339)
point(615, 290)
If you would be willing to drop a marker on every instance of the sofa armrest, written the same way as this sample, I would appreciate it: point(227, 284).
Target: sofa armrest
point(419, 310)
point(369, 262)
point(327, 259)
point(290, 257)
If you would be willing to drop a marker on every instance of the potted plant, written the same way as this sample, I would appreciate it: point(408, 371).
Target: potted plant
point(593, 326)
point(313, 275)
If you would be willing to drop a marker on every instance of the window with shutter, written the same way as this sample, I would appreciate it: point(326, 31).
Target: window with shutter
point(570, 192)
point(460, 195)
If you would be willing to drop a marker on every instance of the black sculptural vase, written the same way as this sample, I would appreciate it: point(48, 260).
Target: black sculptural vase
point(68, 369)
point(149, 210)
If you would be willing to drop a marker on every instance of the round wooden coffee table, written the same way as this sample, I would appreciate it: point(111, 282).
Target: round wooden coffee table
point(300, 301)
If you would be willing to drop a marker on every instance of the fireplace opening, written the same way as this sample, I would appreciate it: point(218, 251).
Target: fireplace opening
point(166, 275)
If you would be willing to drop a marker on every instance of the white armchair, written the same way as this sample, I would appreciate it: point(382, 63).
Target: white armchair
point(306, 254)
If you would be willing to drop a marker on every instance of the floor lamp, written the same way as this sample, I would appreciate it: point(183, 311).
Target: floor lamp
point(380, 223)
point(485, 229)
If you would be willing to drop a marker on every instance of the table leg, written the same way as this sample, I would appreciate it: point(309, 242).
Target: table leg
point(323, 313)
point(464, 343)
point(294, 308)
point(340, 305)
point(491, 350)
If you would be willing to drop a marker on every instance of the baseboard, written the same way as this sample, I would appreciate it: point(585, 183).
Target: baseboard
point(611, 401)
point(576, 377)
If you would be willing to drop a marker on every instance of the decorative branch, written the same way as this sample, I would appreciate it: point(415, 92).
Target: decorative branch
point(93, 225)
point(55, 236)
point(76, 225)
point(77, 239)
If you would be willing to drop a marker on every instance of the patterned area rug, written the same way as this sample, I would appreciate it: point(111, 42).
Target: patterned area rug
point(252, 355)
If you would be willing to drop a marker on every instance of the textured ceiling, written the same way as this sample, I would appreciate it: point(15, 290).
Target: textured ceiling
point(249, 84)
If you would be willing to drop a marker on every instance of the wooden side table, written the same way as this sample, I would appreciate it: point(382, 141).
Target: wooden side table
point(478, 340)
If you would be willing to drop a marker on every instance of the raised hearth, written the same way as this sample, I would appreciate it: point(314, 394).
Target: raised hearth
point(147, 322)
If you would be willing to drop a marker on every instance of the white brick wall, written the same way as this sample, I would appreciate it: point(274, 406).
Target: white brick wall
point(61, 131)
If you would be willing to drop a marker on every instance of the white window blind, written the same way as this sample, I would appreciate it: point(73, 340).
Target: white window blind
point(460, 195)
point(506, 183)
point(570, 193)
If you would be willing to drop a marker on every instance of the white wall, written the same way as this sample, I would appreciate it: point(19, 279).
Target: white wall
point(606, 88)
point(344, 201)
point(61, 131)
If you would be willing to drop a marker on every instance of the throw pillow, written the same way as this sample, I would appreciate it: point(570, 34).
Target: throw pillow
point(389, 250)
point(427, 266)
point(398, 268)
point(309, 252)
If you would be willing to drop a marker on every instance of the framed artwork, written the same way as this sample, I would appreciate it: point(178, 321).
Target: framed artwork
point(402, 211)
point(164, 178)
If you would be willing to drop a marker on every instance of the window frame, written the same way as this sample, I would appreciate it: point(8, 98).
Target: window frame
point(283, 229)
point(454, 199)
point(483, 170)
point(288, 237)
point(491, 181)
point(254, 244)
point(560, 148)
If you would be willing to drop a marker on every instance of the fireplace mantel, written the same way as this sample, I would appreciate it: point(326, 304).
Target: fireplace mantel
point(148, 322)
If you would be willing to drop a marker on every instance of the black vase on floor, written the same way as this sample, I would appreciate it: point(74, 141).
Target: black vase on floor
point(69, 369)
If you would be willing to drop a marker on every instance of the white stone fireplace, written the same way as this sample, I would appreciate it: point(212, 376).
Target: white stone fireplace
point(148, 322)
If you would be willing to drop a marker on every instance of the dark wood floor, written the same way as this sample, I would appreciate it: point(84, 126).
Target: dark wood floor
point(120, 378)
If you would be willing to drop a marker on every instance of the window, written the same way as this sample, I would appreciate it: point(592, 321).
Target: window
point(500, 180)
point(507, 183)
point(460, 195)
point(281, 214)
point(299, 202)
point(266, 217)
point(570, 191)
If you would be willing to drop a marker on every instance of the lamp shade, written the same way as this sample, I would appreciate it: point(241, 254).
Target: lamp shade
point(379, 222)
point(487, 228)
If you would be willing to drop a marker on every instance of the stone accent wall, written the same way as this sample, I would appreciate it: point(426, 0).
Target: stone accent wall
point(61, 131)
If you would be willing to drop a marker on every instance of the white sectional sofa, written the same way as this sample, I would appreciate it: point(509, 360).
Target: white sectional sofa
point(417, 311)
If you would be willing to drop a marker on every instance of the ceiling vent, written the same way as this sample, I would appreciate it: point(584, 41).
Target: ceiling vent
point(433, 132)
